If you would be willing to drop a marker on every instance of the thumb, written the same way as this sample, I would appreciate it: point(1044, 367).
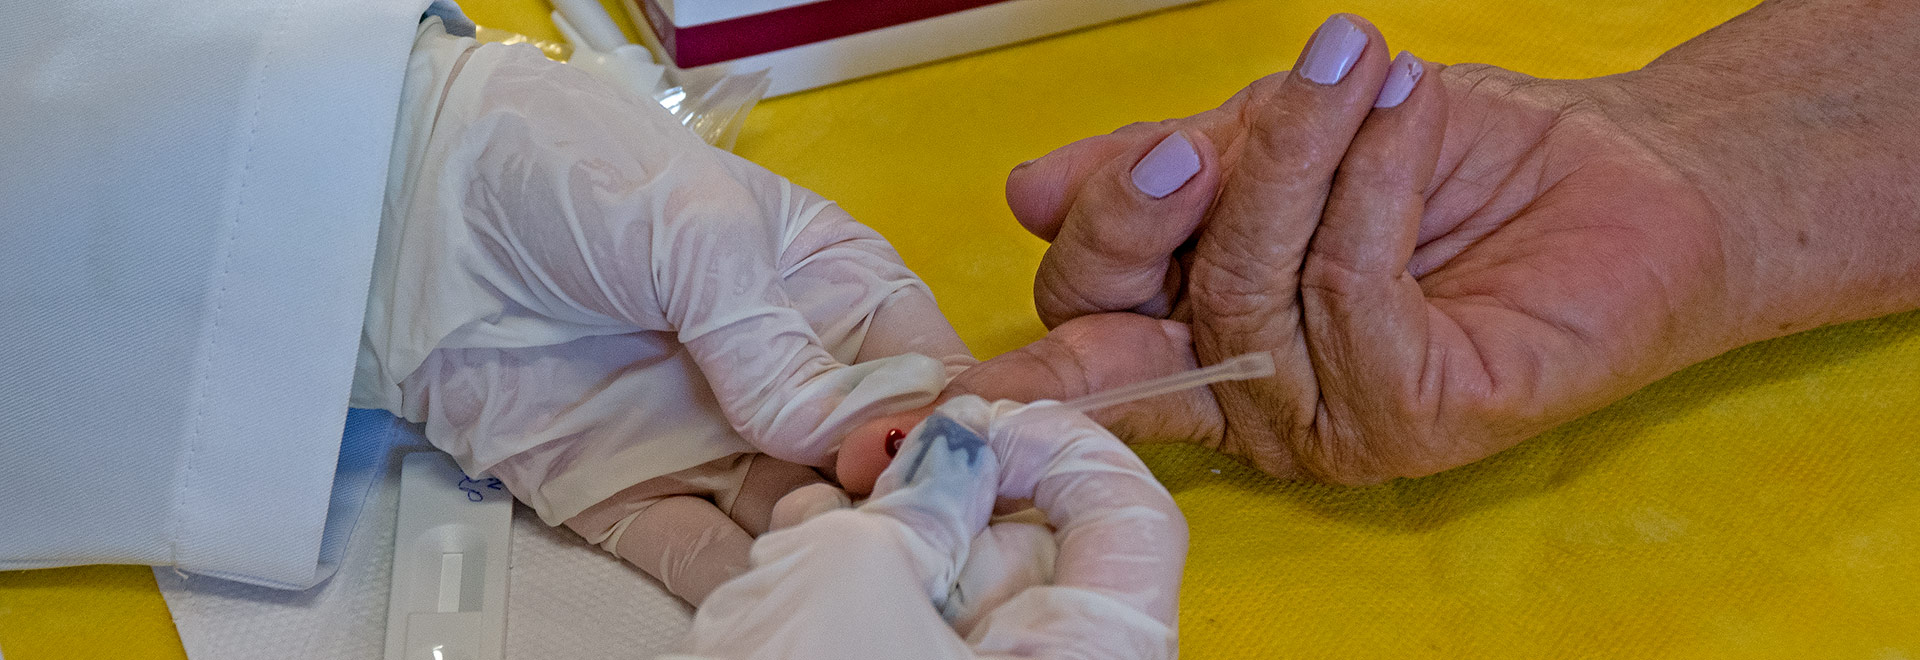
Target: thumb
point(1115, 248)
point(1097, 353)
point(1041, 192)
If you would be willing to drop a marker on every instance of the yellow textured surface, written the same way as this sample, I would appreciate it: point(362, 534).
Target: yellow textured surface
point(1761, 505)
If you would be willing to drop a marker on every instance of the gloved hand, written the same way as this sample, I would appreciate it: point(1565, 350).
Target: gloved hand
point(870, 582)
point(546, 208)
point(576, 294)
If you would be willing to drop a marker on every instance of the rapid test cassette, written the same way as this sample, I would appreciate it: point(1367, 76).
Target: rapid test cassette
point(450, 552)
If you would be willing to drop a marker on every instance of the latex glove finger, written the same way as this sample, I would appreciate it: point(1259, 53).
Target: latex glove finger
point(863, 583)
point(686, 543)
point(840, 586)
point(779, 386)
point(806, 503)
point(1122, 541)
point(846, 584)
point(853, 289)
point(855, 584)
point(1120, 532)
point(570, 424)
point(1008, 557)
point(767, 480)
point(941, 488)
point(852, 285)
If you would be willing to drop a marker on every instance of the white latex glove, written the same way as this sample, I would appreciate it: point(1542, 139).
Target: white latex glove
point(567, 271)
point(575, 293)
point(869, 582)
point(548, 208)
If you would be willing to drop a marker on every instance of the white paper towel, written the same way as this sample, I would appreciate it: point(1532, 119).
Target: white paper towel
point(565, 599)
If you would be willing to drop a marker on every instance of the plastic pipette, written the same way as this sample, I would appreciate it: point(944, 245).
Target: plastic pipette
point(1239, 367)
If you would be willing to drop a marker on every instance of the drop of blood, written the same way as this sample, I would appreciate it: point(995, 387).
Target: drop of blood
point(894, 437)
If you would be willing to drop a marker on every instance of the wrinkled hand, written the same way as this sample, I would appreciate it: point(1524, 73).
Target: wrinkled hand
point(1438, 280)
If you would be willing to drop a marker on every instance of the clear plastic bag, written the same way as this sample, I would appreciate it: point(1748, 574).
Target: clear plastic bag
point(557, 51)
point(715, 111)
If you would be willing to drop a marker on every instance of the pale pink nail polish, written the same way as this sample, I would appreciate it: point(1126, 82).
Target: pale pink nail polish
point(1168, 167)
point(1402, 76)
point(1336, 46)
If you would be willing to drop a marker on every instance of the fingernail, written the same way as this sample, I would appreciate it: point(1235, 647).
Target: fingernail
point(1401, 77)
point(1336, 46)
point(1168, 167)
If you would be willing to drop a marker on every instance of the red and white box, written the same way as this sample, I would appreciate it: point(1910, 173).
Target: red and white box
point(804, 44)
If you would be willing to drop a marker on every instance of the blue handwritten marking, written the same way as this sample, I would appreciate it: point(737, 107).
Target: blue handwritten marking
point(956, 436)
point(473, 487)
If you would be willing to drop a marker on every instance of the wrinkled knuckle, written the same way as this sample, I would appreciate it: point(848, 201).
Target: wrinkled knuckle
point(1284, 129)
point(1268, 91)
point(1329, 279)
point(1338, 452)
point(1256, 252)
point(1339, 461)
point(1475, 74)
point(1407, 411)
point(1264, 445)
point(1087, 336)
point(1083, 291)
point(1056, 300)
point(1368, 172)
point(1287, 154)
point(1228, 310)
point(1395, 194)
point(1224, 272)
point(1063, 361)
point(1118, 243)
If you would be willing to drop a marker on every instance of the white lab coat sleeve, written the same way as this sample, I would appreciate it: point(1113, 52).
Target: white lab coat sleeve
point(192, 192)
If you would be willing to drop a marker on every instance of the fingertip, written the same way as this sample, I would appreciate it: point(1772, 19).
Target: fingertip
point(1113, 251)
point(1342, 44)
point(806, 503)
point(1332, 51)
point(1402, 75)
point(1042, 191)
point(1038, 195)
point(1298, 124)
point(1167, 167)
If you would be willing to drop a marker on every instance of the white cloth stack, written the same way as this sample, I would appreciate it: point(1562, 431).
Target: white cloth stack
point(565, 598)
point(192, 197)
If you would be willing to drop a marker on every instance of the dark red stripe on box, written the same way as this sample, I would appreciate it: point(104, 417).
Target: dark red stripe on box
point(697, 45)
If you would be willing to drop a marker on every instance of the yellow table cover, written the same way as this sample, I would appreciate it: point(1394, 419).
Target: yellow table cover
point(1760, 505)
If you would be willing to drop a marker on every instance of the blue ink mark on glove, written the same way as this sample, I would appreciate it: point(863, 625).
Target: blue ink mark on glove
point(473, 486)
point(938, 429)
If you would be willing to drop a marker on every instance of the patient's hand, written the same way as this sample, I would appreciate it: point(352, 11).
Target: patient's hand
point(1491, 255)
